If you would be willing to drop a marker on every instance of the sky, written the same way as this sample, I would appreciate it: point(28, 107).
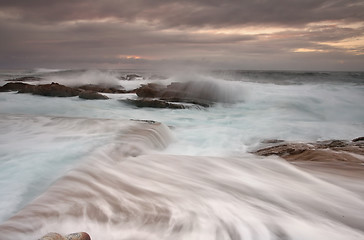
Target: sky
point(144, 34)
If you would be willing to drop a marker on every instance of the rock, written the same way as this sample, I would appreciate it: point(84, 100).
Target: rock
point(284, 149)
point(150, 90)
point(269, 141)
point(358, 139)
point(145, 121)
point(334, 150)
point(153, 103)
point(194, 91)
point(132, 76)
point(52, 236)
point(78, 236)
point(72, 236)
point(175, 92)
point(96, 88)
point(337, 143)
point(16, 86)
point(323, 155)
point(52, 90)
point(91, 95)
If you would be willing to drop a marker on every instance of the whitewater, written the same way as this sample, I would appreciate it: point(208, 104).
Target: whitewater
point(120, 172)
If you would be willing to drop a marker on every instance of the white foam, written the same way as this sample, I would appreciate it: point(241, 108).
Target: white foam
point(96, 77)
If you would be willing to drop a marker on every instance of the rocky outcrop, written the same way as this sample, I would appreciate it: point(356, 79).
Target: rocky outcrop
point(97, 88)
point(16, 86)
point(132, 76)
point(358, 139)
point(177, 92)
point(58, 90)
point(51, 90)
point(322, 151)
point(153, 103)
point(72, 236)
point(92, 95)
point(150, 90)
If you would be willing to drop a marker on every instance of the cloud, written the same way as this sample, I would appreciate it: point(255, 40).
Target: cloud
point(226, 34)
point(190, 13)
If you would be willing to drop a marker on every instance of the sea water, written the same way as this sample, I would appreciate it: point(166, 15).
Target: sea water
point(68, 164)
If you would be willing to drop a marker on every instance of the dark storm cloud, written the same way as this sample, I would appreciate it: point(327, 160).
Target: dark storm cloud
point(190, 13)
point(84, 33)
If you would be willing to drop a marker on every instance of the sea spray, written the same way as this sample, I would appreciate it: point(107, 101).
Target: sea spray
point(95, 77)
point(210, 88)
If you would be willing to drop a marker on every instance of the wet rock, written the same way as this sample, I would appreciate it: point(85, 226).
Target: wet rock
point(177, 92)
point(72, 236)
point(153, 103)
point(52, 90)
point(358, 139)
point(269, 141)
point(337, 143)
point(92, 95)
point(323, 155)
point(132, 76)
point(150, 90)
point(97, 88)
point(16, 86)
point(284, 149)
point(333, 150)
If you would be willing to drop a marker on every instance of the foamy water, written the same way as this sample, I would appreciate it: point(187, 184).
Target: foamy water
point(71, 165)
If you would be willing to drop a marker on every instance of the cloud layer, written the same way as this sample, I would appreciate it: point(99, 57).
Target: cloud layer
point(260, 34)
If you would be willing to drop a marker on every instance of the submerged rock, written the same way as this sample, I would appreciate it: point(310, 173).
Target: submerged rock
point(332, 150)
point(153, 103)
point(358, 139)
point(132, 76)
point(97, 88)
point(178, 92)
point(92, 95)
point(72, 236)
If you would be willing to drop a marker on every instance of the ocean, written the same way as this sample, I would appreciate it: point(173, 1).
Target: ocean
point(117, 171)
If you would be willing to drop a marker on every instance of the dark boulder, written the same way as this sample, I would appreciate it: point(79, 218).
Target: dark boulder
point(153, 103)
point(150, 90)
point(16, 86)
point(176, 92)
point(272, 141)
point(92, 95)
point(358, 139)
point(52, 90)
point(132, 76)
point(97, 88)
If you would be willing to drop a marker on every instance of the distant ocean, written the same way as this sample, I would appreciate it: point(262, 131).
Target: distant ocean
point(70, 165)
